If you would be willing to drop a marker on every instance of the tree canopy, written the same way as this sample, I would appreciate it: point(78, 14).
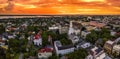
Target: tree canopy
point(104, 34)
point(78, 54)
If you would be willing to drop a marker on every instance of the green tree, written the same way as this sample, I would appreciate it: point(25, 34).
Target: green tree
point(78, 54)
point(44, 38)
point(17, 45)
point(54, 56)
point(2, 29)
point(14, 45)
point(92, 37)
point(53, 35)
point(65, 41)
point(104, 34)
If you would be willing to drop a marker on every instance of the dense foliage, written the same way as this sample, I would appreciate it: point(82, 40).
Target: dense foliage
point(78, 54)
point(104, 34)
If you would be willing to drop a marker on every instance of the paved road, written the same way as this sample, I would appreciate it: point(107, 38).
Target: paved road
point(21, 56)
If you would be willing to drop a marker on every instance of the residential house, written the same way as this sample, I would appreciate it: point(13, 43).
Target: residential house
point(45, 53)
point(61, 50)
point(11, 36)
point(11, 28)
point(86, 45)
point(53, 27)
point(37, 40)
point(97, 24)
point(63, 29)
point(23, 26)
point(108, 46)
point(89, 28)
point(117, 40)
point(116, 49)
point(71, 31)
point(75, 27)
point(112, 33)
point(83, 45)
point(85, 23)
point(2, 42)
point(96, 53)
point(74, 38)
point(111, 46)
point(84, 33)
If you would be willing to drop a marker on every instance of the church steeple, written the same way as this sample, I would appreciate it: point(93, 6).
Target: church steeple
point(71, 30)
point(71, 24)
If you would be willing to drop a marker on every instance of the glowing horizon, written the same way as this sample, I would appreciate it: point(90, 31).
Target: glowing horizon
point(60, 7)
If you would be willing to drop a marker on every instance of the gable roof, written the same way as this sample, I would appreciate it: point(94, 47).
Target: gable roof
point(45, 50)
point(65, 47)
point(36, 36)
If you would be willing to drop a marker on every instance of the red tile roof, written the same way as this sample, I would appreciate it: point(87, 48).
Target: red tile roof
point(96, 24)
point(36, 36)
point(45, 50)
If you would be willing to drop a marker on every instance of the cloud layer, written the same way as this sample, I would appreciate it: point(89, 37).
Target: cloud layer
point(59, 6)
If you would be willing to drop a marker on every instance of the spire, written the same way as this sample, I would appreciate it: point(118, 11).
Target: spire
point(71, 24)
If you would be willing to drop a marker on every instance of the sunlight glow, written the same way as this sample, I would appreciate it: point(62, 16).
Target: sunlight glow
point(93, 0)
point(25, 6)
point(60, 0)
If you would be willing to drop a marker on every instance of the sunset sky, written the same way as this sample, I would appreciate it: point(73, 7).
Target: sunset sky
point(91, 7)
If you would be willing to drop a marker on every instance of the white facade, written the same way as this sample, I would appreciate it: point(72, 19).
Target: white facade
point(89, 28)
point(77, 31)
point(112, 33)
point(75, 39)
point(2, 43)
point(44, 55)
point(117, 40)
point(63, 29)
point(86, 45)
point(57, 45)
point(53, 28)
point(98, 53)
point(11, 37)
point(102, 56)
point(84, 33)
point(89, 57)
point(4, 38)
point(65, 51)
point(116, 48)
point(71, 31)
point(110, 42)
point(37, 42)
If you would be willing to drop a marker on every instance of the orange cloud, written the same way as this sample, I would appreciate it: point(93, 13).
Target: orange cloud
point(93, 0)
point(60, 6)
